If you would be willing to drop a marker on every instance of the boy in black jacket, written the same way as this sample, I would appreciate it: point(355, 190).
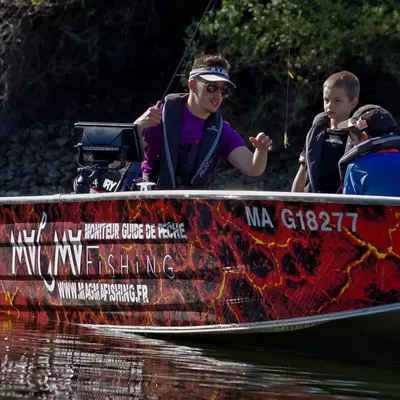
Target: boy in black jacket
point(325, 145)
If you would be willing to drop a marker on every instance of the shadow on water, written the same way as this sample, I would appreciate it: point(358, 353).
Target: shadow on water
point(72, 362)
point(371, 340)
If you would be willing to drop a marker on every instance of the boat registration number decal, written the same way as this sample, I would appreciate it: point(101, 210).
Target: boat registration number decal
point(303, 219)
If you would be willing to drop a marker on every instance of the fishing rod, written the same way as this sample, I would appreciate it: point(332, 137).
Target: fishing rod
point(210, 7)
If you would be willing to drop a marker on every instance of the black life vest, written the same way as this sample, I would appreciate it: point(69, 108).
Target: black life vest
point(186, 165)
point(313, 151)
point(373, 145)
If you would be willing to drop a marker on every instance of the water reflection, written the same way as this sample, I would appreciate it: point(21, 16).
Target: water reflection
point(72, 362)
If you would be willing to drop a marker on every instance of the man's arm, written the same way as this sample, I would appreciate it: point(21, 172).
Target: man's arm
point(151, 117)
point(252, 164)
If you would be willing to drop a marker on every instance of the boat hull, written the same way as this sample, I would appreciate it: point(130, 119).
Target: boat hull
point(199, 262)
point(365, 338)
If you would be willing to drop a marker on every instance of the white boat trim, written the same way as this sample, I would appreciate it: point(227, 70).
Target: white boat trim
point(206, 194)
point(255, 327)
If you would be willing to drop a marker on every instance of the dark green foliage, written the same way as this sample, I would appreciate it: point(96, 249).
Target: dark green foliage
point(87, 59)
point(323, 37)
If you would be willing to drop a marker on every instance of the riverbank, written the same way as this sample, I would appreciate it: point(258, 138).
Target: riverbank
point(42, 160)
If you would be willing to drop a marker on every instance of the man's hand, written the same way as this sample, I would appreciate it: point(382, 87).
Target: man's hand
point(151, 117)
point(261, 142)
point(252, 164)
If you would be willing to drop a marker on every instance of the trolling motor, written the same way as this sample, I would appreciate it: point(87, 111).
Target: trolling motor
point(100, 145)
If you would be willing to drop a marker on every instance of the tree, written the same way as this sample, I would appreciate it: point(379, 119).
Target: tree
point(264, 40)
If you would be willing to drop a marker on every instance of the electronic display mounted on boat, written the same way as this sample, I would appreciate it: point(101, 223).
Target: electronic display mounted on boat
point(104, 143)
point(104, 150)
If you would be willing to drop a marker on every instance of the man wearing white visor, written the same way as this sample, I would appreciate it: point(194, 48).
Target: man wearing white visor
point(185, 137)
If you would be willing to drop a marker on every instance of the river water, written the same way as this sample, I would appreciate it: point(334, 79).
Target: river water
point(72, 362)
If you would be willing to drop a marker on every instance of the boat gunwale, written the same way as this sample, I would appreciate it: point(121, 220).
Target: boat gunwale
point(206, 195)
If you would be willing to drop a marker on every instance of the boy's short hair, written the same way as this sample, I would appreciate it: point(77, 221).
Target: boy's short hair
point(346, 80)
point(211, 61)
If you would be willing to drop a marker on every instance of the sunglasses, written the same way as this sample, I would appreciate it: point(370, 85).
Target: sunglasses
point(212, 87)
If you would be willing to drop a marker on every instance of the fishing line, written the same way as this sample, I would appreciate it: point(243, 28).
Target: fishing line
point(175, 74)
point(289, 75)
point(193, 52)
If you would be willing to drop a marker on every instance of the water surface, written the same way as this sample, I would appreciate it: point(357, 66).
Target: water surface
point(72, 362)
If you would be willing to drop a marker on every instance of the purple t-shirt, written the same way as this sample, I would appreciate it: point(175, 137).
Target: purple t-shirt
point(192, 132)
